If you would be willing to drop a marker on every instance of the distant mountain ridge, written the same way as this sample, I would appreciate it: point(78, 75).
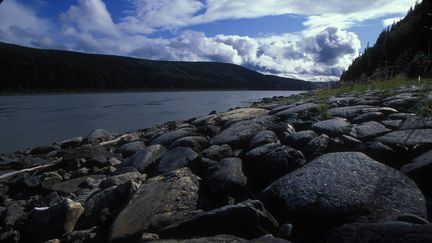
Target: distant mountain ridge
point(403, 49)
point(24, 69)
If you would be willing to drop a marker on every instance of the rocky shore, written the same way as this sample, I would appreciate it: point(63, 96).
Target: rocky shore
point(351, 168)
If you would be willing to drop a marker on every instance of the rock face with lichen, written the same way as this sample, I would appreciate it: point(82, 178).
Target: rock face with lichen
point(274, 172)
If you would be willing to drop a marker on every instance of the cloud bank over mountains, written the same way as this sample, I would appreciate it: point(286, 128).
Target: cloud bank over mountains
point(320, 52)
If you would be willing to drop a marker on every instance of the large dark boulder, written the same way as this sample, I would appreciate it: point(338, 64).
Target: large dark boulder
point(420, 170)
point(168, 138)
point(340, 188)
point(332, 127)
point(416, 122)
point(217, 152)
point(268, 162)
point(43, 224)
point(145, 158)
point(408, 137)
point(197, 143)
point(248, 219)
point(300, 139)
point(159, 202)
point(176, 158)
point(263, 137)
point(381, 232)
point(226, 178)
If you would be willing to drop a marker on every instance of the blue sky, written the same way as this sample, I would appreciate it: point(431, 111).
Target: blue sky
point(311, 40)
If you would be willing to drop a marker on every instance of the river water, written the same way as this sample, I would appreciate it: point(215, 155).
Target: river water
point(33, 120)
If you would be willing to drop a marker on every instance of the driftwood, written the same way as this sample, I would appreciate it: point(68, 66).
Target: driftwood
point(109, 142)
point(9, 175)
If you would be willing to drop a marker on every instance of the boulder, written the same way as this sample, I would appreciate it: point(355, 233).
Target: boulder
point(282, 130)
point(72, 143)
point(267, 163)
point(129, 149)
point(248, 219)
point(263, 137)
point(408, 137)
point(370, 116)
point(197, 143)
point(166, 139)
point(226, 178)
point(420, 170)
point(332, 127)
point(368, 130)
point(176, 158)
point(301, 108)
point(339, 188)
point(392, 124)
point(300, 139)
point(217, 152)
point(381, 232)
point(317, 146)
point(74, 185)
point(99, 134)
point(348, 112)
point(145, 158)
point(122, 178)
point(159, 202)
point(42, 224)
point(416, 122)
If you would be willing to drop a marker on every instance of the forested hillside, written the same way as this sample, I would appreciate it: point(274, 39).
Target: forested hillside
point(30, 70)
point(403, 49)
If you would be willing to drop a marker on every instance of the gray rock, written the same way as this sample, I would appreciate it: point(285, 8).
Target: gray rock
point(99, 134)
point(197, 143)
point(143, 158)
point(168, 138)
point(416, 122)
point(413, 219)
point(392, 124)
point(122, 178)
point(348, 112)
point(72, 143)
point(248, 219)
point(129, 149)
point(420, 170)
point(209, 239)
point(101, 206)
point(263, 137)
point(332, 127)
point(226, 178)
point(381, 232)
point(317, 146)
point(159, 202)
point(269, 162)
point(217, 152)
point(370, 116)
point(400, 116)
point(340, 188)
point(74, 185)
point(408, 137)
point(302, 108)
point(300, 139)
point(378, 151)
point(61, 218)
point(176, 158)
point(239, 134)
point(282, 129)
point(368, 130)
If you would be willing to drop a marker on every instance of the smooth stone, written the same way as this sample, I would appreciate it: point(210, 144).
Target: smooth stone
point(99, 134)
point(146, 157)
point(176, 158)
point(263, 137)
point(332, 127)
point(348, 112)
point(381, 232)
point(248, 219)
point(159, 202)
point(420, 170)
point(42, 224)
point(400, 116)
point(122, 178)
point(269, 162)
point(74, 185)
point(408, 137)
point(217, 152)
point(317, 146)
point(129, 149)
point(168, 138)
point(72, 143)
point(282, 130)
point(416, 122)
point(339, 188)
point(392, 124)
point(197, 143)
point(370, 116)
point(226, 178)
point(378, 151)
point(301, 108)
point(413, 219)
point(300, 139)
point(368, 130)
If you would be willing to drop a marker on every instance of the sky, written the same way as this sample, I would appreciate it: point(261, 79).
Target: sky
point(304, 39)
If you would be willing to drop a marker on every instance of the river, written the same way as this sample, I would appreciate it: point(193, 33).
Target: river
point(34, 120)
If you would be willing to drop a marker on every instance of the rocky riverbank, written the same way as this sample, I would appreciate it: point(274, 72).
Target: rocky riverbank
point(352, 168)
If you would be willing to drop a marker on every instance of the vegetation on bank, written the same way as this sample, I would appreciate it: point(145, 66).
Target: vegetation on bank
point(402, 49)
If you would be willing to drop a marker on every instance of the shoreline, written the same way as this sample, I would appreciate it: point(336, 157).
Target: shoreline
point(253, 173)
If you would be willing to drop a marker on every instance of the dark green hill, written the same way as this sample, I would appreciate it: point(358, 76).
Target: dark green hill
point(25, 69)
point(404, 49)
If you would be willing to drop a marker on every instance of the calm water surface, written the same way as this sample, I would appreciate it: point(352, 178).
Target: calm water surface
point(29, 121)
